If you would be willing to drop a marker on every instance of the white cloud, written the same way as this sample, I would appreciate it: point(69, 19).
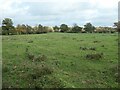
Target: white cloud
point(52, 12)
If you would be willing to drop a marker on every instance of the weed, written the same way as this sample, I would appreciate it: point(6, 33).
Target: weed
point(96, 41)
point(41, 71)
point(114, 71)
point(26, 50)
point(103, 46)
point(83, 48)
point(74, 38)
point(41, 58)
point(30, 41)
point(81, 40)
point(30, 56)
point(5, 69)
point(92, 48)
point(96, 56)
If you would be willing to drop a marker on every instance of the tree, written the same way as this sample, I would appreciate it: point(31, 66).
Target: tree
point(7, 26)
point(24, 29)
point(40, 29)
point(89, 27)
point(76, 28)
point(64, 28)
point(45, 30)
point(117, 25)
point(19, 29)
point(0, 30)
point(35, 29)
point(48, 29)
point(29, 29)
point(56, 28)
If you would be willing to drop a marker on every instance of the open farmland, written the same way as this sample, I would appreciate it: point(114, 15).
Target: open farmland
point(66, 60)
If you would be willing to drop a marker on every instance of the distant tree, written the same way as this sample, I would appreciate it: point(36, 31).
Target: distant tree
point(64, 28)
point(19, 29)
point(35, 29)
point(104, 30)
point(40, 29)
point(45, 29)
point(29, 29)
point(7, 26)
point(48, 29)
point(0, 30)
point(89, 27)
point(24, 29)
point(56, 28)
point(76, 28)
point(117, 25)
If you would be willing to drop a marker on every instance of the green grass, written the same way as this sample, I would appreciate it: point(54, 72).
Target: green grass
point(68, 63)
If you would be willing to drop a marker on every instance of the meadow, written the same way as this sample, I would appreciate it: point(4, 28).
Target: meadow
point(60, 60)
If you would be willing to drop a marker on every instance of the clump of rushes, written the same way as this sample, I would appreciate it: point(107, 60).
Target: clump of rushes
point(41, 58)
point(96, 56)
point(41, 71)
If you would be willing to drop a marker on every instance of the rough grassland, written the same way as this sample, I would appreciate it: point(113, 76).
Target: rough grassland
point(66, 60)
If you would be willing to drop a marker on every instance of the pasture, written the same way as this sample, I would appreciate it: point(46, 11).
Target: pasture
point(60, 60)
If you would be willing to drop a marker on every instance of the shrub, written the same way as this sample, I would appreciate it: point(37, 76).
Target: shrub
point(96, 41)
point(41, 58)
point(5, 69)
point(92, 48)
point(96, 56)
point(103, 46)
point(30, 41)
point(41, 71)
point(83, 48)
point(30, 56)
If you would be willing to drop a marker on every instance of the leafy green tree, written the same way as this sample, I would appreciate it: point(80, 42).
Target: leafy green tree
point(56, 28)
point(0, 30)
point(117, 25)
point(7, 26)
point(45, 30)
point(29, 29)
point(40, 29)
point(19, 29)
point(35, 29)
point(24, 29)
point(48, 29)
point(64, 28)
point(76, 29)
point(89, 27)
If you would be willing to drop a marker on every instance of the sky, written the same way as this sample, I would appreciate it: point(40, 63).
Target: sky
point(56, 12)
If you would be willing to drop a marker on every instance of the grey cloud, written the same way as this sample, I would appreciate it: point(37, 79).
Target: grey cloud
point(55, 13)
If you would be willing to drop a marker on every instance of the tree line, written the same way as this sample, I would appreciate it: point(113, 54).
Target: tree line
point(8, 28)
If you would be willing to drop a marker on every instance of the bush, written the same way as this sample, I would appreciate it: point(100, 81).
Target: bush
point(92, 48)
point(30, 56)
point(41, 58)
point(30, 41)
point(96, 56)
point(41, 71)
point(84, 48)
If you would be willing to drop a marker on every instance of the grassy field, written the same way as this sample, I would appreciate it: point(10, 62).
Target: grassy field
point(66, 60)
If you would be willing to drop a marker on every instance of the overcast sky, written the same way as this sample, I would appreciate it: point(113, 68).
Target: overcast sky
point(56, 12)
